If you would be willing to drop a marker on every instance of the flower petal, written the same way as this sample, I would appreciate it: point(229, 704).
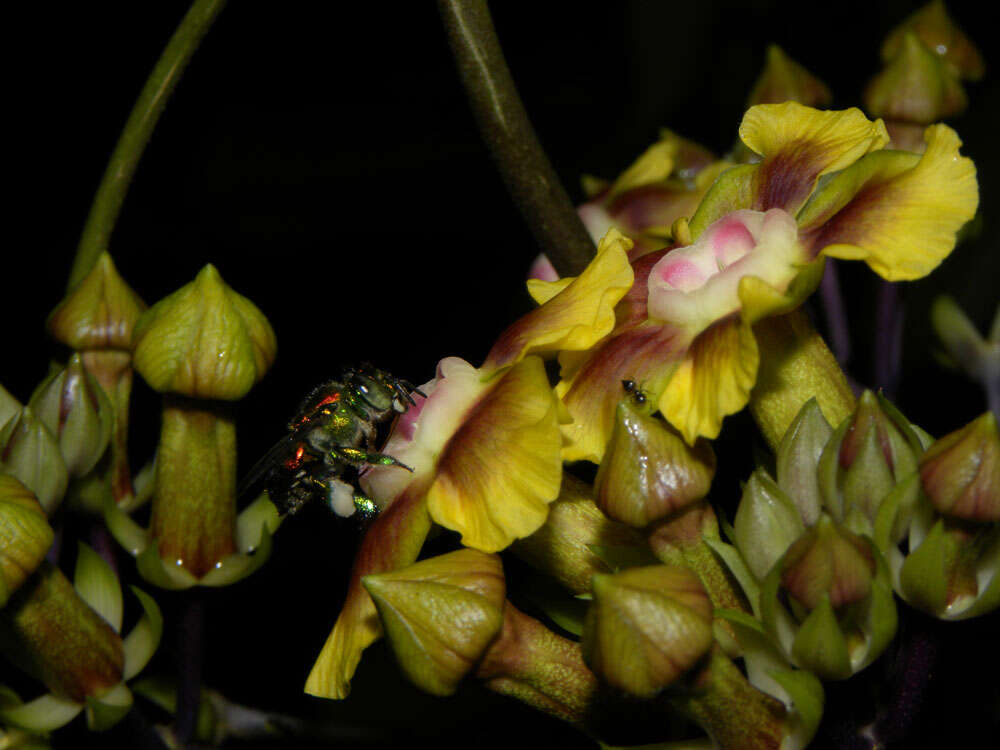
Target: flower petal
point(646, 353)
point(799, 144)
point(502, 467)
point(896, 211)
point(654, 165)
point(576, 318)
point(715, 379)
point(392, 541)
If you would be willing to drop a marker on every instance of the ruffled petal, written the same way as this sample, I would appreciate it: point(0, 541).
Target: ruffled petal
point(898, 212)
point(501, 469)
point(714, 380)
point(578, 316)
point(392, 541)
point(591, 387)
point(800, 144)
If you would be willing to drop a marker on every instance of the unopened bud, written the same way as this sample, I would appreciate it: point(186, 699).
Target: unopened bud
point(51, 633)
point(828, 561)
point(916, 87)
point(99, 312)
point(204, 341)
point(798, 460)
point(647, 627)
point(440, 615)
point(648, 472)
point(766, 524)
point(961, 472)
point(934, 28)
point(868, 454)
point(77, 412)
point(25, 535)
point(29, 452)
point(784, 80)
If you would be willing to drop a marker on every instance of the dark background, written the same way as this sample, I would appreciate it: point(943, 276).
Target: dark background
point(322, 157)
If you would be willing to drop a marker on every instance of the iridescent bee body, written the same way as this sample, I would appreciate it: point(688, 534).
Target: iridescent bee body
point(334, 430)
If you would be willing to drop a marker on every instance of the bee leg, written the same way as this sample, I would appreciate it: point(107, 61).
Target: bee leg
point(358, 457)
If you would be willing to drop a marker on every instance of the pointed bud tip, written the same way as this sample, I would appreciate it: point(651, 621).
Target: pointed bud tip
point(204, 341)
point(98, 313)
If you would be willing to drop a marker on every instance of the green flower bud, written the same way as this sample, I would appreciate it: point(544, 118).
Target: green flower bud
point(840, 613)
point(917, 86)
point(440, 615)
point(784, 80)
point(577, 539)
point(98, 313)
point(29, 452)
point(828, 562)
point(50, 632)
point(648, 472)
point(869, 453)
point(766, 524)
point(204, 341)
point(25, 535)
point(934, 28)
point(961, 472)
point(647, 627)
point(76, 411)
point(798, 459)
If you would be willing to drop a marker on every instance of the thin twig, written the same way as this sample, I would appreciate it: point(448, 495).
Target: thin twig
point(504, 125)
point(138, 129)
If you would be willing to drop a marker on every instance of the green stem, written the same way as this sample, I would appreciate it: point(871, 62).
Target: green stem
point(132, 142)
point(504, 125)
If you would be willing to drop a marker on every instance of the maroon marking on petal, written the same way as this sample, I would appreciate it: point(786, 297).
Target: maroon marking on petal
point(640, 353)
point(654, 205)
point(632, 308)
point(852, 223)
point(786, 179)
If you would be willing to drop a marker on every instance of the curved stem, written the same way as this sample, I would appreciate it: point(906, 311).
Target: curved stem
point(139, 127)
point(505, 127)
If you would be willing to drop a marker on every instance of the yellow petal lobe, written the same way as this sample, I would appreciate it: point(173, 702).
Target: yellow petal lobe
point(897, 212)
point(579, 315)
point(714, 380)
point(502, 468)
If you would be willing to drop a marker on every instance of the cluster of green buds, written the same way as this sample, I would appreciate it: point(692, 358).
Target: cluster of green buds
point(940, 527)
point(638, 590)
point(803, 548)
point(66, 635)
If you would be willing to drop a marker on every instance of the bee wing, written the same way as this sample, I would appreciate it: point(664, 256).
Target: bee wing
point(277, 453)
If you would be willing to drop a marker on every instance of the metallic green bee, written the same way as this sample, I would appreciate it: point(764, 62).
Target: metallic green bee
point(334, 429)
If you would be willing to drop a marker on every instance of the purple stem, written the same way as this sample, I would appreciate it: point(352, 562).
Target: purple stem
point(100, 541)
point(917, 659)
point(833, 309)
point(190, 657)
point(888, 337)
point(56, 549)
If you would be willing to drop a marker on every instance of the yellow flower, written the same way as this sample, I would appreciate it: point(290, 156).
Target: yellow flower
point(753, 249)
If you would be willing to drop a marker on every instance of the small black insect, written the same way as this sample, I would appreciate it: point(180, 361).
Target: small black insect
point(334, 429)
point(632, 388)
